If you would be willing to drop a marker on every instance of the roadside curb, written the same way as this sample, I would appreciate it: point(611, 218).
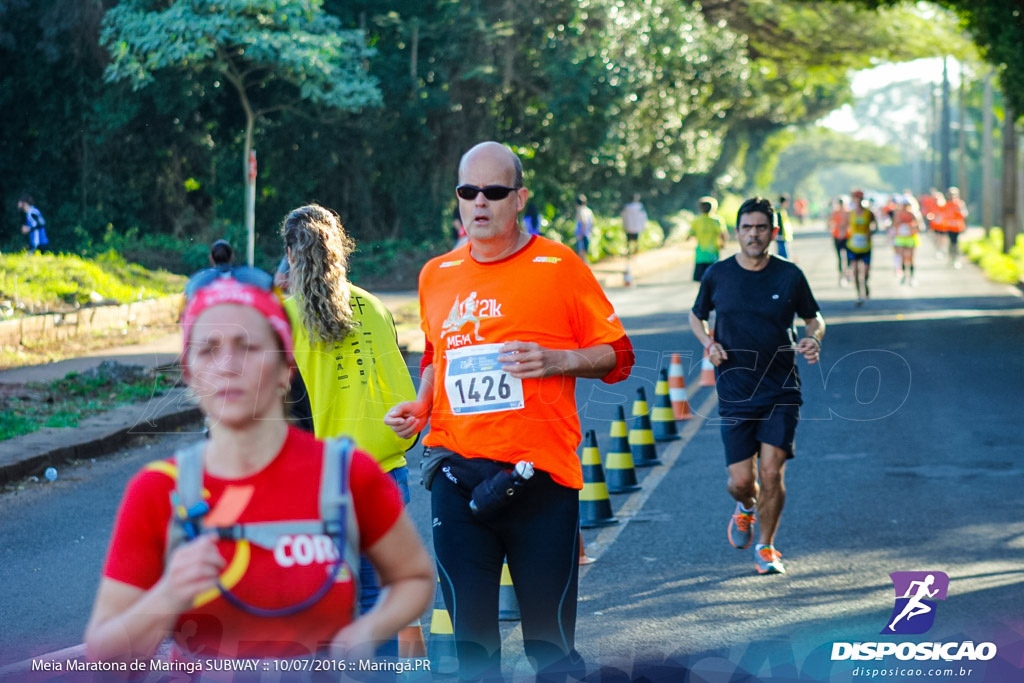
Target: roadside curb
point(95, 436)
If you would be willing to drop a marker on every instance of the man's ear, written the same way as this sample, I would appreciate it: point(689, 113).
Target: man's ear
point(522, 194)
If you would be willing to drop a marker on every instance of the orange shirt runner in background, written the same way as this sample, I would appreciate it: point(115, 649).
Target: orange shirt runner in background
point(840, 222)
point(542, 293)
point(954, 215)
point(930, 210)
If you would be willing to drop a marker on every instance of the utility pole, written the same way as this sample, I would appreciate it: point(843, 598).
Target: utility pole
point(988, 190)
point(250, 207)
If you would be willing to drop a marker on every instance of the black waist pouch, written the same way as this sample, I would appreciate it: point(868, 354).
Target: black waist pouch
point(466, 473)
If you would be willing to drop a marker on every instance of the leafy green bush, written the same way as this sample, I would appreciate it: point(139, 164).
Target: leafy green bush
point(987, 252)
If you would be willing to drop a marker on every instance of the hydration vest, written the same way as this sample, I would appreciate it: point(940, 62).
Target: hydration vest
point(337, 520)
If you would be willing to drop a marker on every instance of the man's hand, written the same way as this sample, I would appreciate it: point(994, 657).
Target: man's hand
point(409, 418)
point(809, 348)
point(530, 360)
point(717, 354)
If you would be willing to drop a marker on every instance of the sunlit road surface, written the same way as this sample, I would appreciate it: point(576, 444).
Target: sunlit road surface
point(909, 458)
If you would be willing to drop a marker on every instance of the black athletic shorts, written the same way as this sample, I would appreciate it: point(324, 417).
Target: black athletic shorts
point(744, 431)
point(859, 256)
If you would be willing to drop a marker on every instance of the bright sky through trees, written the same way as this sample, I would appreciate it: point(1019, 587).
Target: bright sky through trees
point(919, 70)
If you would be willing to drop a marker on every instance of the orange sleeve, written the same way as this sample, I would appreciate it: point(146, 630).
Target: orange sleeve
point(624, 360)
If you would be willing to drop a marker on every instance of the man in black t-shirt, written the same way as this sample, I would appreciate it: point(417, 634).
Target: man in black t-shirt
point(756, 297)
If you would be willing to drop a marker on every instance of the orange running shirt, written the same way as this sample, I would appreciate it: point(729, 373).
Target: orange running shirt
point(543, 293)
point(840, 221)
point(954, 215)
point(929, 205)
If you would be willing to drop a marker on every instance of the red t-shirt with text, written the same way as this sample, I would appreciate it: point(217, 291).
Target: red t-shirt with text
point(286, 489)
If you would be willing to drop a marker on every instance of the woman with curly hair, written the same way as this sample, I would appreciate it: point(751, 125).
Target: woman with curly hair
point(346, 349)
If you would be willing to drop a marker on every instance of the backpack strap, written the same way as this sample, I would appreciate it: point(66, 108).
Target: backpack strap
point(187, 493)
point(336, 508)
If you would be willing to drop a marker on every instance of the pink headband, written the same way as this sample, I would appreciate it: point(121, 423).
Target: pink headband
point(231, 291)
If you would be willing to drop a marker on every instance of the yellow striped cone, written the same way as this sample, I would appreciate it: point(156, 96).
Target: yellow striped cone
point(441, 646)
point(641, 438)
point(508, 605)
point(595, 506)
point(663, 420)
point(677, 389)
point(707, 371)
point(618, 463)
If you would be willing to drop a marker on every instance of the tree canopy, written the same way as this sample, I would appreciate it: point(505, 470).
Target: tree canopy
point(117, 121)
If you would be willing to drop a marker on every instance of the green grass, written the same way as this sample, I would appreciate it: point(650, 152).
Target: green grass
point(987, 252)
point(65, 402)
point(40, 282)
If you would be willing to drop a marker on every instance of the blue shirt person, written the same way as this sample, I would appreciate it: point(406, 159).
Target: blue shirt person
point(34, 225)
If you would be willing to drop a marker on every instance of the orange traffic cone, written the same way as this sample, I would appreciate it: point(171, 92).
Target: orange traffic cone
point(595, 506)
point(663, 420)
point(677, 389)
point(619, 470)
point(508, 605)
point(707, 370)
point(641, 438)
point(441, 648)
point(584, 558)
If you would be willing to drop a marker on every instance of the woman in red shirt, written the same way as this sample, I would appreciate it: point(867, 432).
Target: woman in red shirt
point(232, 598)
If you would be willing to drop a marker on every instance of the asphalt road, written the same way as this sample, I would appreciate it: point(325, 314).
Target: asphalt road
point(908, 459)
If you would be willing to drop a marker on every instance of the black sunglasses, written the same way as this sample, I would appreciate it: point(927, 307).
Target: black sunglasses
point(244, 274)
point(493, 193)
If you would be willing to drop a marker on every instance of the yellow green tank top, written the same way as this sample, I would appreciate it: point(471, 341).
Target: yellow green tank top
point(859, 241)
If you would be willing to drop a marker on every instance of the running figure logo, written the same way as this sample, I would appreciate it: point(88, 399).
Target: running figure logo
point(471, 310)
point(916, 592)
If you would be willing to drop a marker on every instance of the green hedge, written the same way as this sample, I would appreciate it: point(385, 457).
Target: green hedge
point(987, 252)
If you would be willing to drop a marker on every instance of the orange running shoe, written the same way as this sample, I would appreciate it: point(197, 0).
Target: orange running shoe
point(741, 528)
point(769, 560)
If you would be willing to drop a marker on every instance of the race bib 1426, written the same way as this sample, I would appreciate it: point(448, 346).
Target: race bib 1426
point(475, 382)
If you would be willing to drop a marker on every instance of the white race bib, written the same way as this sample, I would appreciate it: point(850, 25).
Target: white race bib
point(475, 382)
point(905, 230)
point(859, 240)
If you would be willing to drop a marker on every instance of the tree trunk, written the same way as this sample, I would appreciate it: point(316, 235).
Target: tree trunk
point(988, 190)
point(961, 147)
point(414, 48)
point(1009, 179)
point(933, 135)
point(947, 171)
point(509, 52)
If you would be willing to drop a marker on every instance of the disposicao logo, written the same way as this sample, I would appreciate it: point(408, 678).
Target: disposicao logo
point(916, 593)
point(912, 614)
